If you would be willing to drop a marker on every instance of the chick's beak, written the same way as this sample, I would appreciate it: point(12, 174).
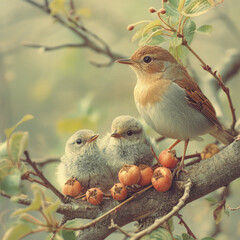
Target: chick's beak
point(93, 138)
point(125, 61)
point(116, 135)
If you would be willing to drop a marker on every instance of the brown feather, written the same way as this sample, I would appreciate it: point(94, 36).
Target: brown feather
point(198, 100)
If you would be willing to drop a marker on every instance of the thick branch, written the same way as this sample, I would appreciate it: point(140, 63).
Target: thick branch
point(206, 176)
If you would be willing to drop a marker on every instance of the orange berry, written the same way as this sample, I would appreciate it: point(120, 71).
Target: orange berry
point(94, 196)
point(146, 175)
point(162, 179)
point(129, 175)
point(72, 187)
point(118, 191)
point(168, 158)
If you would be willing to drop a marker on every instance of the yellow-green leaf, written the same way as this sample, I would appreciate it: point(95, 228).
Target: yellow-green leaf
point(196, 8)
point(150, 26)
point(57, 7)
point(206, 29)
point(181, 4)
point(35, 205)
point(51, 208)
point(9, 131)
point(3, 150)
point(18, 143)
point(85, 12)
point(17, 232)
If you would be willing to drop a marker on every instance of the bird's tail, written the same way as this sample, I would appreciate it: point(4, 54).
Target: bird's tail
point(222, 135)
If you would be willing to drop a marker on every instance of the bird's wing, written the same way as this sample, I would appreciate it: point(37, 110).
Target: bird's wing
point(198, 100)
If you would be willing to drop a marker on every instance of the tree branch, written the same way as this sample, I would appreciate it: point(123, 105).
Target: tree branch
point(89, 39)
point(44, 180)
point(206, 176)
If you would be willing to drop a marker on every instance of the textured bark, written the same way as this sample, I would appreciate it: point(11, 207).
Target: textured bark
point(206, 176)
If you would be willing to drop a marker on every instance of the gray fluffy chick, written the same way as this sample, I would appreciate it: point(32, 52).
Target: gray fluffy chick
point(127, 144)
point(84, 161)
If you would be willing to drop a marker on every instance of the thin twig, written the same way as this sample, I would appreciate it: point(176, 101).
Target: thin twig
point(182, 222)
point(233, 209)
point(48, 48)
point(110, 211)
point(113, 225)
point(42, 177)
point(175, 209)
point(26, 176)
point(81, 32)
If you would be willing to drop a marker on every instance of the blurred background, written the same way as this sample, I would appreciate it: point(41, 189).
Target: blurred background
point(65, 92)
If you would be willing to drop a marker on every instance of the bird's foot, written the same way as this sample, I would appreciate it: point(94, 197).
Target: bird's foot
point(179, 169)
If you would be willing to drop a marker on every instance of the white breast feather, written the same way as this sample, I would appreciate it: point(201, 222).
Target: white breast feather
point(173, 117)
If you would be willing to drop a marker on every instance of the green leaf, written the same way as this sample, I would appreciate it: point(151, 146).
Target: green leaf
point(3, 150)
point(185, 236)
point(9, 131)
point(160, 234)
point(157, 40)
point(17, 232)
point(181, 4)
point(51, 208)
point(150, 26)
point(172, 8)
point(212, 200)
point(11, 183)
point(68, 235)
point(189, 30)
point(18, 143)
point(35, 205)
point(196, 8)
point(207, 238)
point(206, 29)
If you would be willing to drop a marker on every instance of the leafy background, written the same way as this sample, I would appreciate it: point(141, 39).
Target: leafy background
point(59, 87)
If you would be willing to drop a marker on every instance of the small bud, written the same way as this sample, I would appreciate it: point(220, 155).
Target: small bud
point(130, 27)
point(76, 18)
point(162, 11)
point(152, 10)
point(165, 0)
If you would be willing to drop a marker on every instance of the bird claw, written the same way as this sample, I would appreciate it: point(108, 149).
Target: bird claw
point(179, 169)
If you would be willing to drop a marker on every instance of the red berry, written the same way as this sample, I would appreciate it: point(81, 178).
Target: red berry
point(130, 27)
point(152, 10)
point(72, 188)
point(168, 158)
point(129, 175)
point(162, 11)
point(162, 179)
point(146, 175)
point(118, 191)
point(94, 196)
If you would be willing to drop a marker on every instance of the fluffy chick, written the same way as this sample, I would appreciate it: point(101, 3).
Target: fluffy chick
point(84, 161)
point(127, 144)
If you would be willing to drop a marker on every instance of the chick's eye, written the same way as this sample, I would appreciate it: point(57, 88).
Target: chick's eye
point(129, 133)
point(78, 141)
point(147, 59)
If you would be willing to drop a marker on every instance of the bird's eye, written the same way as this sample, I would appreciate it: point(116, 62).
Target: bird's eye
point(78, 141)
point(147, 59)
point(129, 133)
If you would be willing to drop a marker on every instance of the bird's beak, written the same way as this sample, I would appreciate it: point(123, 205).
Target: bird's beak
point(93, 138)
point(125, 61)
point(116, 135)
